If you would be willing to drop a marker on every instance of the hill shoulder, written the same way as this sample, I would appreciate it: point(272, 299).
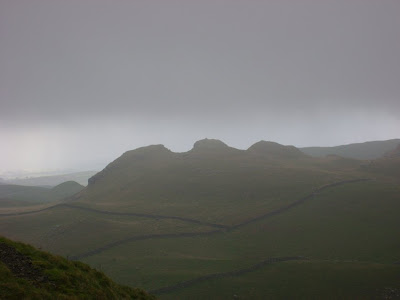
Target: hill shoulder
point(366, 151)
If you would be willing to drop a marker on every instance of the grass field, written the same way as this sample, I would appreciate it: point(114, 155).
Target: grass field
point(156, 219)
point(315, 279)
point(68, 231)
point(344, 224)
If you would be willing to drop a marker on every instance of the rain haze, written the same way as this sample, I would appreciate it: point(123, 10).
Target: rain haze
point(81, 82)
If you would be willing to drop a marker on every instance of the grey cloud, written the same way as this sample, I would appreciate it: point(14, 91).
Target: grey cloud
point(230, 68)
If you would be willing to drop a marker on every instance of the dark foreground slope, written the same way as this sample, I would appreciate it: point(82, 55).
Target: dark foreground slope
point(27, 273)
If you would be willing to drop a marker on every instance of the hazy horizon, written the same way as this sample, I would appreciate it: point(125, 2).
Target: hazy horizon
point(96, 166)
point(81, 82)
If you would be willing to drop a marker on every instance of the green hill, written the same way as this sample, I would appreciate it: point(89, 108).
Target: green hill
point(27, 273)
point(367, 150)
point(66, 189)
point(18, 195)
point(212, 181)
point(219, 223)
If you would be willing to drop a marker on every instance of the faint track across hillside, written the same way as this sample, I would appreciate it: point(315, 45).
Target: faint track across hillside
point(141, 238)
point(296, 203)
point(105, 212)
point(151, 216)
point(184, 284)
point(22, 213)
point(208, 233)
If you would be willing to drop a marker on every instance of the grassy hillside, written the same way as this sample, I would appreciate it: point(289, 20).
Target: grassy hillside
point(18, 195)
point(309, 279)
point(27, 273)
point(351, 228)
point(387, 166)
point(211, 182)
point(216, 222)
point(367, 150)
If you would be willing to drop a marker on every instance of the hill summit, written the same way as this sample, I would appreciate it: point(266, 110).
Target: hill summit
point(273, 149)
point(212, 179)
point(66, 189)
point(211, 144)
point(155, 159)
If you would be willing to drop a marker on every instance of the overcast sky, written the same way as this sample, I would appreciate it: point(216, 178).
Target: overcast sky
point(83, 81)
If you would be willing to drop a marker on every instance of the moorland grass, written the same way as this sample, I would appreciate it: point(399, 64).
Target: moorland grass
point(348, 229)
point(65, 279)
point(357, 223)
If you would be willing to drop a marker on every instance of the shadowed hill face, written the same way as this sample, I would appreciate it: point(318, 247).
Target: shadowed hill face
point(275, 150)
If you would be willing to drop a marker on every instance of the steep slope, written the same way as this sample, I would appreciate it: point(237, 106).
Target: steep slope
point(367, 150)
point(27, 273)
